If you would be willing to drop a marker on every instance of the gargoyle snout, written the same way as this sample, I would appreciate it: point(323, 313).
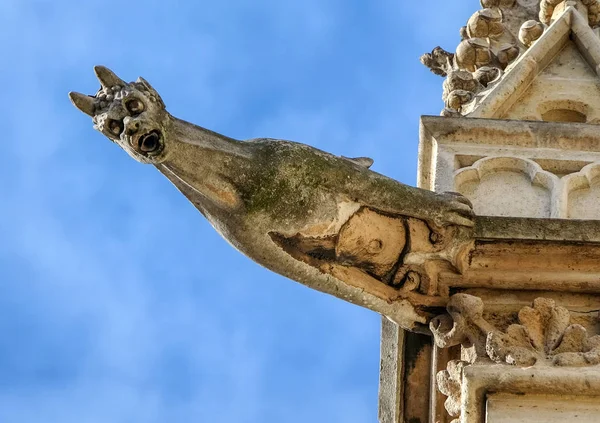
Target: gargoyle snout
point(132, 126)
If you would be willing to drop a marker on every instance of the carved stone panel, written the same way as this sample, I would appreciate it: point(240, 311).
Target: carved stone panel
point(582, 193)
point(514, 168)
point(508, 186)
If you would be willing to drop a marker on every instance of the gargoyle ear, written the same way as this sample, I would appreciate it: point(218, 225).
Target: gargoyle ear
point(83, 102)
point(141, 80)
point(107, 77)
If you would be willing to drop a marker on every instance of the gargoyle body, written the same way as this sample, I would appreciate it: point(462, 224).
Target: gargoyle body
point(323, 220)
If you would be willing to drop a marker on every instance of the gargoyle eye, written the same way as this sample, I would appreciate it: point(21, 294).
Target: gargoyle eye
point(115, 127)
point(134, 106)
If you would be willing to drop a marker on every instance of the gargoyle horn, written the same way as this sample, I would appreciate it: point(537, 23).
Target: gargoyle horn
point(83, 102)
point(107, 77)
point(146, 83)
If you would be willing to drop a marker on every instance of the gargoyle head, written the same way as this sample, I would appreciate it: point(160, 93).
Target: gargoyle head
point(131, 114)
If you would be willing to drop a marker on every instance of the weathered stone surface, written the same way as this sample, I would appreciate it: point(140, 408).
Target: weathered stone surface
point(499, 37)
point(560, 230)
point(514, 168)
point(323, 220)
point(521, 328)
point(449, 382)
point(544, 334)
point(520, 281)
point(480, 383)
point(513, 408)
point(530, 31)
point(333, 224)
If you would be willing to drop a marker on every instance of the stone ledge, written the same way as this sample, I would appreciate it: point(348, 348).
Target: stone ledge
point(562, 230)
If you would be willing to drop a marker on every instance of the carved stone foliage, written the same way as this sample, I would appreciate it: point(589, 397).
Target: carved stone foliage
point(547, 9)
point(439, 61)
point(492, 39)
point(449, 383)
point(530, 31)
point(543, 335)
point(487, 44)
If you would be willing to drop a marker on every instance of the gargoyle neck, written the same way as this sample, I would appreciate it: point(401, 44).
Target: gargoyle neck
point(211, 143)
point(203, 165)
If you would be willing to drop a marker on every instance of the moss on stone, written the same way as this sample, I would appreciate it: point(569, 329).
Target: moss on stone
point(285, 179)
point(289, 181)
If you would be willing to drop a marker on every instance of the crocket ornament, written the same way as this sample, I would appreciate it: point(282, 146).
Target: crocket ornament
point(323, 220)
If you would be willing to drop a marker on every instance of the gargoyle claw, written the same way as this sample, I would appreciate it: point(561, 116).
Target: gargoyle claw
point(460, 210)
point(457, 196)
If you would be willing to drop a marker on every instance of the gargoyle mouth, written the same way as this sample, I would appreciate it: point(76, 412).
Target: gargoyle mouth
point(149, 144)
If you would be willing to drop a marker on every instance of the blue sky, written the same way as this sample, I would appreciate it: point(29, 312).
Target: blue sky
point(118, 301)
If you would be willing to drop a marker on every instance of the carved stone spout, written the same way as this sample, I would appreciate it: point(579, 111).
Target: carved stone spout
point(323, 220)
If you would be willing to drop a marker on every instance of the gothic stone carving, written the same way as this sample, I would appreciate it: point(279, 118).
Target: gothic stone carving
point(326, 221)
point(449, 383)
point(530, 31)
point(544, 335)
point(439, 61)
point(547, 8)
point(493, 38)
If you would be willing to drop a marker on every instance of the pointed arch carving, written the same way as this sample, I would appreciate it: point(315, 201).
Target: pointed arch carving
point(582, 193)
point(530, 190)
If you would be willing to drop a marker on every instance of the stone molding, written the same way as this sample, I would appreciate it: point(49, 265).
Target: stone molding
point(469, 387)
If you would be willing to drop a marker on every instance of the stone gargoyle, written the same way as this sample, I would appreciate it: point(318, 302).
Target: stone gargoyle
point(323, 220)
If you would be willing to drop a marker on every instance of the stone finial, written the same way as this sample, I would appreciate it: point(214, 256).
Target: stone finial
point(493, 37)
